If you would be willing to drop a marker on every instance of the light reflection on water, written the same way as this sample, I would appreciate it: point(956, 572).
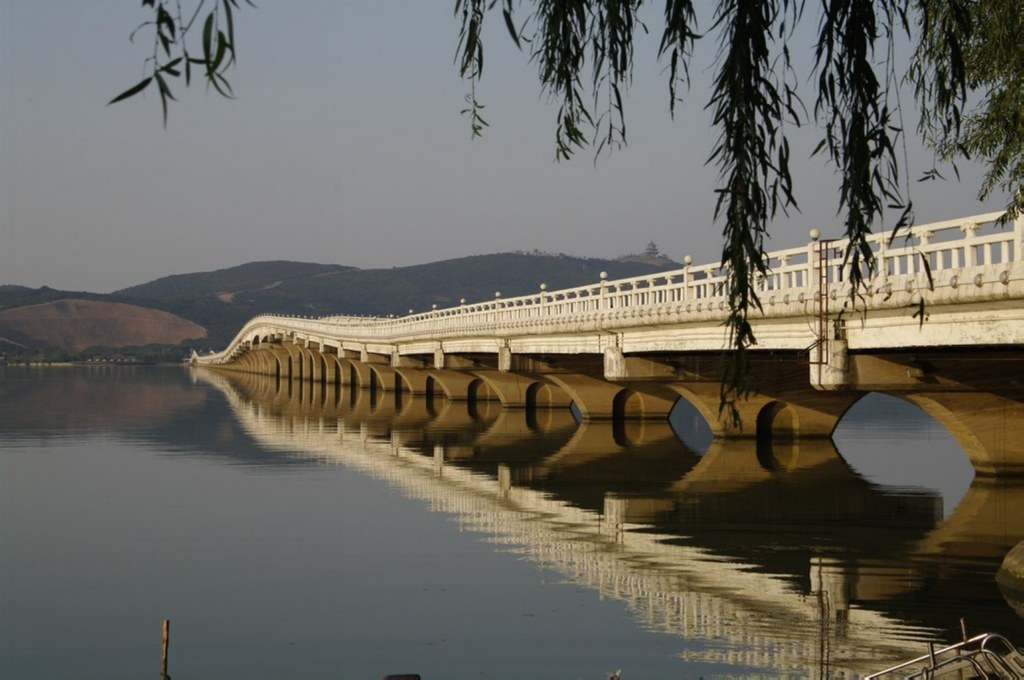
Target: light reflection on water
point(124, 503)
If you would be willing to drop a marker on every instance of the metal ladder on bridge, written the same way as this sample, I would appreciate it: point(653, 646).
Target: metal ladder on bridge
point(820, 347)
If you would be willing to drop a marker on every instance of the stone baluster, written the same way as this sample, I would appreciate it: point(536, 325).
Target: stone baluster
point(1018, 238)
point(924, 239)
point(969, 258)
point(814, 262)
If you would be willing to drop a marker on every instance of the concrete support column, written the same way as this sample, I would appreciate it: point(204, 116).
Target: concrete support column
point(614, 364)
point(834, 374)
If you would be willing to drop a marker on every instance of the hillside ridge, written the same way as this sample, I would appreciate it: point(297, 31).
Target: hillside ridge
point(221, 301)
point(77, 325)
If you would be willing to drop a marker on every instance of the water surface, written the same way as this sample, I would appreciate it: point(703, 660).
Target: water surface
point(294, 531)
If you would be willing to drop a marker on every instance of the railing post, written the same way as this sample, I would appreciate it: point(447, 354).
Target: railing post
point(881, 265)
point(604, 285)
point(687, 261)
point(813, 252)
point(968, 228)
point(1018, 238)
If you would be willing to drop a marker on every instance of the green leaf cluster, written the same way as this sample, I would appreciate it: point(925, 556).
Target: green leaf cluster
point(171, 58)
point(967, 71)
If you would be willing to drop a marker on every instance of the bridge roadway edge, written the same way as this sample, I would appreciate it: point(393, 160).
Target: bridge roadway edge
point(626, 349)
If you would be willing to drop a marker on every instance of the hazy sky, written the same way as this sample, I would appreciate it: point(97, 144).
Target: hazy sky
point(344, 145)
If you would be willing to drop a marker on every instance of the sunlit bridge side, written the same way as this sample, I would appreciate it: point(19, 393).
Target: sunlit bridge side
point(939, 322)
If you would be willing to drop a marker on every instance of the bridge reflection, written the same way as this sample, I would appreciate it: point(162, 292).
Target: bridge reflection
point(781, 558)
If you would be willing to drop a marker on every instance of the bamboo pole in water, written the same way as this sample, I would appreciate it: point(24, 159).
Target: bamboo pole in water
point(163, 650)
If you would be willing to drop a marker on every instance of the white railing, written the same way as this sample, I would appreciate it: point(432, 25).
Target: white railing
point(925, 252)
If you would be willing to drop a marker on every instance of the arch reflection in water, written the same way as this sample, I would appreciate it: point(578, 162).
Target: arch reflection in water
point(783, 558)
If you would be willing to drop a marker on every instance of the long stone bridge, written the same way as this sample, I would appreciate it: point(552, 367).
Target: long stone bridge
point(940, 323)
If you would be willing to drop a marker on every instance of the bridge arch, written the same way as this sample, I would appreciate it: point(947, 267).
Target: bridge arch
point(541, 394)
point(294, 363)
point(478, 390)
point(359, 374)
point(269, 360)
point(346, 371)
point(263, 362)
point(332, 369)
point(414, 381)
point(383, 379)
point(702, 404)
point(988, 428)
point(309, 364)
point(643, 402)
point(452, 385)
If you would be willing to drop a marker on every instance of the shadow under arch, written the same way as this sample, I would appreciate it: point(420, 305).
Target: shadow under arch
point(432, 391)
point(478, 390)
point(777, 424)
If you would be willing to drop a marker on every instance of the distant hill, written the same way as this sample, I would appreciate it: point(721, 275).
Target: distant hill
point(21, 296)
point(221, 301)
point(253, 276)
point(80, 324)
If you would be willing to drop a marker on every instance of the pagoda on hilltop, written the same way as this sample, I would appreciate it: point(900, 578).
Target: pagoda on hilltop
point(651, 255)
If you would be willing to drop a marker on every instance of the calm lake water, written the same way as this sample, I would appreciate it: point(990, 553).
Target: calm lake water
point(310, 533)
